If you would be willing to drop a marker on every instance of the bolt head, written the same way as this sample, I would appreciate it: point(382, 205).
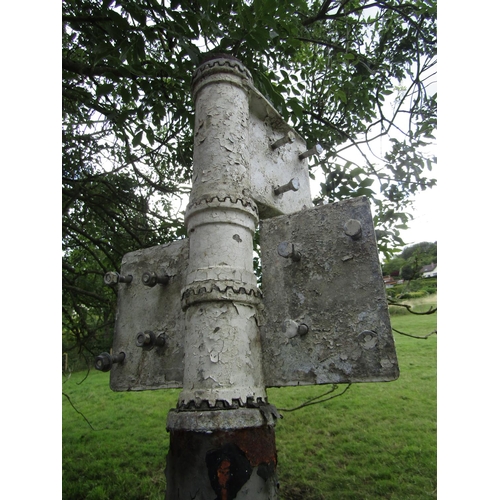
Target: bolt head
point(103, 362)
point(352, 228)
point(285, 249)
point(146, 340)
point(111, 278)
point(161, 340)
point(302, 329)
point(149, 279)
point(142, 339)
point(294, 184)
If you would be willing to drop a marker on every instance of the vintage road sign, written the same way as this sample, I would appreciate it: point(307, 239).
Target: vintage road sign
point(325, 317)
point(325, 308)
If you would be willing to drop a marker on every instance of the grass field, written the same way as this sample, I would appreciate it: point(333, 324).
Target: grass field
point(377, 441)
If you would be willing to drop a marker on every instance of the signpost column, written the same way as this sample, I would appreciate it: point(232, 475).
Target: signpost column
point(222, 431)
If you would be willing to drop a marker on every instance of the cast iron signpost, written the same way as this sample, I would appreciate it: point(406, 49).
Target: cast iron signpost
point(190, 314)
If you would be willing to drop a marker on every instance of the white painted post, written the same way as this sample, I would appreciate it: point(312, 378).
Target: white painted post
point(222, 432)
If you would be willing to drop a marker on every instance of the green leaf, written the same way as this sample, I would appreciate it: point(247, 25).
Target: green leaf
point(150, 135)
point(340, 94)
point(366, 182)
point(104, 89)
point(296, 108)
point(137, 139)
point(124, 93)
point(355, 172)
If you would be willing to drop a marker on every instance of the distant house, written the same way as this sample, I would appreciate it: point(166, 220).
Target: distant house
point(429, 271)
point(389, 281)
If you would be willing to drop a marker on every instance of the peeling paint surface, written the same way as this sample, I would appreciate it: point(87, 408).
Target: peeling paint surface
point(226, 365)
point(221, 220)
point(220, 156)
point(273, 168)
point(156, 309)
point(222, 339)
point(342, 301)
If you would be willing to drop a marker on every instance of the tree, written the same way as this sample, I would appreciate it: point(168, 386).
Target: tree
point(408, 271)
point(409, 262)
point(331, 68)
point(393, 266)
point(425, 252)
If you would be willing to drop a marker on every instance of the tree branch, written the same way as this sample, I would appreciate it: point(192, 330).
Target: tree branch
point(339, 48)
point(78, 411)
point(320, 15)
point(85, 19)
point(316, 400)
point(408, 307)
point(88, 70)
point(85, 292)
point(425, 337)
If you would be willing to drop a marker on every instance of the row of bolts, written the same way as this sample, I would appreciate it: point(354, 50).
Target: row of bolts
point(293, 184)
point(287, 250)
point(146, 340)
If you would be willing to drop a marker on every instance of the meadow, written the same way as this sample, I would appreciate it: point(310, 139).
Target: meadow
point(376, 441)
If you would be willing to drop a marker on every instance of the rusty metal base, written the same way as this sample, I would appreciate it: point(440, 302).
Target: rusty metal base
point(235, 463)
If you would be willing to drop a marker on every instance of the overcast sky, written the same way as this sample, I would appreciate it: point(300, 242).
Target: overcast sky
point(424, 227)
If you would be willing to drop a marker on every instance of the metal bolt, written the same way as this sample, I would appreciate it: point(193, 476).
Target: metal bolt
point(290, 137)
point(353, 229)
point(292, 185)
point(145, 339)
point(148, 340)
point(287, 250)
point(104, 361)
point(291, 328)
point(111, 278)
point(302, 329)
point(151, 279)
point(161, 340)
point(316, 150)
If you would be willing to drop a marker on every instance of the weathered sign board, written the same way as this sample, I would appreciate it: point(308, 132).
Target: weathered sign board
point(149, 322)
point(325, 307)
point(274, 165)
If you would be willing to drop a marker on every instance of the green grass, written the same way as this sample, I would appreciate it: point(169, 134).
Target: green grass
point(377, 441)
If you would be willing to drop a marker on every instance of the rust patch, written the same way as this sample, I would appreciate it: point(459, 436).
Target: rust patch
point(258, 444)
point(219, 461)
point(228, 470)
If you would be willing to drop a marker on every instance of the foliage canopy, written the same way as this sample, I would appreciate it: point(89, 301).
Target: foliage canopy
point(344, 73)
point(410, 261)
